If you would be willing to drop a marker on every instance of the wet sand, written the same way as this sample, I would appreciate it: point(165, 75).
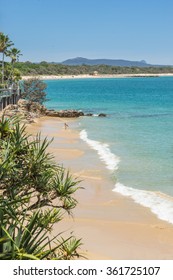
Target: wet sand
point(111, 226)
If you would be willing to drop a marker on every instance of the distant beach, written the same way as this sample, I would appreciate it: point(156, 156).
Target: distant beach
point(53, 77)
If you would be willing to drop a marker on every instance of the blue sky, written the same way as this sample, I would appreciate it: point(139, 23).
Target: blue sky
point(55, 30)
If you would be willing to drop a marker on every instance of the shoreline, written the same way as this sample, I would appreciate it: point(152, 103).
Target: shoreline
point(87, 76)
point(111, 226)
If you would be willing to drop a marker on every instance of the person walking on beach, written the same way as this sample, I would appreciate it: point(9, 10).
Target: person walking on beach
point(66, 125)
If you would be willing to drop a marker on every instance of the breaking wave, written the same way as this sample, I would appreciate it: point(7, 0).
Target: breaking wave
point(111, 161)
point(160, 204)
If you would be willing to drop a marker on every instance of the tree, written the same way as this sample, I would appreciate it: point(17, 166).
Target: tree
point(11, 75)
point(35, 193)
point(5, 43)
point(13, 54)
point(33, 90)
point(14, 74)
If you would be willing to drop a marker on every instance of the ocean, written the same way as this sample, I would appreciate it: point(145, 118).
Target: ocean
point(135, 140)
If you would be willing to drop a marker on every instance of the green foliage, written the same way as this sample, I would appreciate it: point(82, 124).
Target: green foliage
point(14, 54)
point(8, 73)
point(35, 193)
point(69, 248)
point(5, 127)
point(5, 42)
point(11, 75)
point(25, 237)
point(45, 68)
point(33, 90)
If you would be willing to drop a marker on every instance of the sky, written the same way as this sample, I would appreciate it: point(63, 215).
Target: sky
point(56, 30)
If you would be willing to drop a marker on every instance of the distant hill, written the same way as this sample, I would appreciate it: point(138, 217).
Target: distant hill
point(110, 62)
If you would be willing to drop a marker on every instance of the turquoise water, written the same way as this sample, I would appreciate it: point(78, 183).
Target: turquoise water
point(135, 140)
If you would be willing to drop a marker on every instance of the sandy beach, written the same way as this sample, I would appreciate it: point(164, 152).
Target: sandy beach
point(87, 76)
point(111, 226)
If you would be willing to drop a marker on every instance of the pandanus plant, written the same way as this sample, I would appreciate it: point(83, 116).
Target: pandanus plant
point(26, 237)
point(35, 193)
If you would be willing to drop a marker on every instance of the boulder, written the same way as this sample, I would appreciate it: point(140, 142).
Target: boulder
point(102, 115)
point(10, 107)
point(89, 115)
point(26, 109)
point(35, 107)
point(70, 114)
point(51, 113)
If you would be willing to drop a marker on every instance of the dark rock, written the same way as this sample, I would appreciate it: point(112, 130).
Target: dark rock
point(81, 114)
point(64, 113)
point(52, 114)
point(89, 115)
point(102, 115)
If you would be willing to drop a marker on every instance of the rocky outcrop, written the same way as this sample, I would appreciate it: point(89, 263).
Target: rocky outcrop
point(29, 106)
point(29, 110)
point(25, 109)
point(64, 113)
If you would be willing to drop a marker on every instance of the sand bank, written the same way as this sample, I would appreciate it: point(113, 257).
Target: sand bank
point(111, 226)
point(87, 76)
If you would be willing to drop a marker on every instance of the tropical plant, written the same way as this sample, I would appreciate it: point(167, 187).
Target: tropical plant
point(11, 74)
point(14, 54)
point(35, 193)
point(5, 43)
point(5, 127)
point(24, 237)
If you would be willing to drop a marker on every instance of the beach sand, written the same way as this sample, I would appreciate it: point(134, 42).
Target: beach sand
point(87, 76)
point(111, 226)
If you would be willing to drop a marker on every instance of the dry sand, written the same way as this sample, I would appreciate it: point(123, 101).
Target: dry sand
point(111, 226)
point(87, 76)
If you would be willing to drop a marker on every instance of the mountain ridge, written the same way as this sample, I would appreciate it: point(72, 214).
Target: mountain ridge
point(110, 62)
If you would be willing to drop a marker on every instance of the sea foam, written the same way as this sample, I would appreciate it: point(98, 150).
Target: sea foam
point(111, 161)
point(160, 204)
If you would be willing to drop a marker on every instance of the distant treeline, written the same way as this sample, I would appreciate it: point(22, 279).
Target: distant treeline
point(45, 68)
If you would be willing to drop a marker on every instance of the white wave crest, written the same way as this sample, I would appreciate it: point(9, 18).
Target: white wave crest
point(103, 151)
point(160, 204)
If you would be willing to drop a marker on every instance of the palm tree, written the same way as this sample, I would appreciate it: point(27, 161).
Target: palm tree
point(14, 55)
point(5, 43)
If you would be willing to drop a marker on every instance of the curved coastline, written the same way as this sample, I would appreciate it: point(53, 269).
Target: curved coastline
point(102, 212)
point(159, 203)
point(87, 76)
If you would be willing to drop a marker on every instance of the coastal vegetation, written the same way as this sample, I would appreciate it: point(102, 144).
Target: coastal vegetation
point(8, 74)
point(35, 194)
point(45, 68)
point(33, 90)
